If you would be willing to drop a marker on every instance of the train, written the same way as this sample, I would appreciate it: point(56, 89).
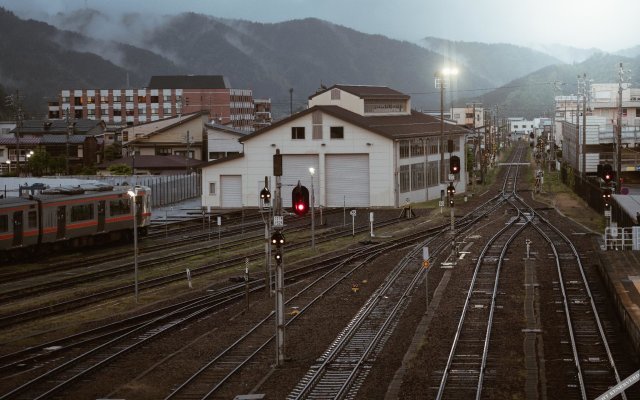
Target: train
point(78, 216)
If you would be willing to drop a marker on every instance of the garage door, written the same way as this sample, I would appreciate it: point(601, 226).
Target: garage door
point(295, 167)
point(347, 180)
point(231, 191)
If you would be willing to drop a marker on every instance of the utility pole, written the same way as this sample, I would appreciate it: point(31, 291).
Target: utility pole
point(186, 161)
point(619, 130)
point(16, 104)
point(585, 91)
point(578, 126)
point(69, 131)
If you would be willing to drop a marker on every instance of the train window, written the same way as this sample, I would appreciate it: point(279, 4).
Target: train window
point(4, 223)
point(120, 207)
point(81, 212)
point(32, 219)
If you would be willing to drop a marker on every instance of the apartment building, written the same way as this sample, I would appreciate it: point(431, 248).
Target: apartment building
point(165, 96)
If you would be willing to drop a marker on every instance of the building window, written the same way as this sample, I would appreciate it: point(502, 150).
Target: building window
point(166, 99)
point(433, 173)
point(337, 132)
point(65, 99)
point(637, 112)
point(77, 114)
point(335, 94)
point(624, 112)
point(104, 99)
point(404, 149)
point(212, 188)
point(129, 99)
point(404, 178)
point(166, 110)
point(116, 99)
point(297, 132)
point(91, 100)
point(142, 111)
point(117, 113)
point(77, 101)
point(468, 115)
point(417, 148)
point(2, 153)
point(163, 151)
point(215, 155)
point(129, 112)
point(417, 176)
point(91, 112)
point(154, 111)
point(142, 99)
point(154, 99)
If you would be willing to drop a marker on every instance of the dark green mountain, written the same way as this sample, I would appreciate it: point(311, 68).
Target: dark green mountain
point(39, 60)
point(497, 63)
point(533, 95)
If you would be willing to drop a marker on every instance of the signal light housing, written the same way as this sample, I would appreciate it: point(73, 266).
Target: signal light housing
point(454, 165)
point(277, 239)
point(265, 196)
point(278, 257)
point(451, 190)
point(300, 200)
point(607, 173)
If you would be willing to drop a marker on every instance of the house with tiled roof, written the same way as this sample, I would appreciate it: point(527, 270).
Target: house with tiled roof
point(78, 140)
point(367, 147)
point(183, 135)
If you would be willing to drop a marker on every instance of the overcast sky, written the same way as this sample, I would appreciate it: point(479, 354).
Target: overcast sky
point(607, 25)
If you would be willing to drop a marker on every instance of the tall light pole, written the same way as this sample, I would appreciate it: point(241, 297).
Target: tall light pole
point(440, 83)
point(312, 171)
point(133, 193)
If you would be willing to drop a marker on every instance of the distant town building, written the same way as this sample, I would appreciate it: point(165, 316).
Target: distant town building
point(166, 96)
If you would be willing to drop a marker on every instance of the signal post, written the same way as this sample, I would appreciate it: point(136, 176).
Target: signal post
point(277, 239)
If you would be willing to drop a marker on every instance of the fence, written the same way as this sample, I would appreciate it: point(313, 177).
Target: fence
point(165, 189)
point(622, 238)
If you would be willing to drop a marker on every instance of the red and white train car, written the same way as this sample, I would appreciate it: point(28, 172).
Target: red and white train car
point(79, 216)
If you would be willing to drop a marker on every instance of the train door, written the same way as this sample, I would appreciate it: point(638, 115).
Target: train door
point(62, 222)
point(101, 215)
point(18, 230)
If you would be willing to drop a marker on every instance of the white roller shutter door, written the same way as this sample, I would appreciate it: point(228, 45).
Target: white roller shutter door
point(347, 180)
point(295, 167)
point(231, 191)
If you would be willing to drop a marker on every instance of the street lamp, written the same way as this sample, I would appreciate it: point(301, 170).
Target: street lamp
point(312, 171)
point(440, 83)
point(133, 193)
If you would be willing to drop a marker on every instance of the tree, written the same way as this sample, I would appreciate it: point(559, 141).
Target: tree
point(40, 162)
point(120, 169)
point(113, 151)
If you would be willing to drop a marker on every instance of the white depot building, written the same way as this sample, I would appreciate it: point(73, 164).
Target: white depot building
point(367, 146)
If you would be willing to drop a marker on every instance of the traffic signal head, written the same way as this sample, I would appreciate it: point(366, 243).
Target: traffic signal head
point(607, 173)
point(451, 202)
point(277, 239)
point(606, 197)
point(278, 258)
point(454, 165)
point(300, 200)
point(265, 196)
point(451, 190)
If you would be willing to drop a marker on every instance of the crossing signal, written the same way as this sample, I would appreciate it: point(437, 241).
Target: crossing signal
point(300, 200)
point(454, 165)
point(277, 239)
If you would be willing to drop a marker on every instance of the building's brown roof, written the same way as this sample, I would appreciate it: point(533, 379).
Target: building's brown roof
point(189, 82)
point(393, 127)
point(367, 92)
point(172, 162)
point(59, 126)
point(162, 125)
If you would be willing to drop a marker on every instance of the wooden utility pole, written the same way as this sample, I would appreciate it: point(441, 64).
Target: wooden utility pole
point(619, 130)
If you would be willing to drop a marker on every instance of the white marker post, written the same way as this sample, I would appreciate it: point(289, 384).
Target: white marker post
point(353, 222)
point(371, 224)
point(425, 265)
